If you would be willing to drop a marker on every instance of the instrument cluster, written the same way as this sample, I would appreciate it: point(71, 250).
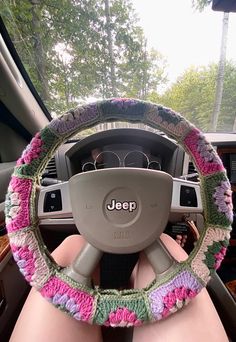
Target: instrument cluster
point(107, 158)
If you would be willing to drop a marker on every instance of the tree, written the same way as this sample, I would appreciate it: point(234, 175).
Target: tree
point(193, 96)
point(78, 49)
point(110, 47)
point(39, 53)
point(200, 5)
point(227, 114)
point(220, 74)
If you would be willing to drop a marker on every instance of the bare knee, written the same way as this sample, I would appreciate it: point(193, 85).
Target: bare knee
point(67, 251)
point(189, 324)
point(31, 327)
point(144, 274)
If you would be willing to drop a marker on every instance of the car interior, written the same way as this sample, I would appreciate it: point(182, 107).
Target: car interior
point(23, 114)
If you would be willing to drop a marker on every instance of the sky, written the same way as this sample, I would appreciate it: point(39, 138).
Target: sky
point(183, 35)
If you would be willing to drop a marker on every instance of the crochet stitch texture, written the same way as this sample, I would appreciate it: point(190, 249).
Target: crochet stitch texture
point(112, 307)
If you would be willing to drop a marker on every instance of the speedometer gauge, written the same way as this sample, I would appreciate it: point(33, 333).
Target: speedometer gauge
point(107, 159)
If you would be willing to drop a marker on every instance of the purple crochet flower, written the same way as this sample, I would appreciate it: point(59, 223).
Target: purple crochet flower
point(25, 259)
point(223, 199)
point(205, 150)
point(75, 119)
point(170, 297)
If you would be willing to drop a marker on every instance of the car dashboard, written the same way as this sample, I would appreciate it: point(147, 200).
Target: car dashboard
point(123, 147)
point(127, 147)
point(139, 148)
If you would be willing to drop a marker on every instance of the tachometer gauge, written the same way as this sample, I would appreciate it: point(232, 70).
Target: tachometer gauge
point(136, 159)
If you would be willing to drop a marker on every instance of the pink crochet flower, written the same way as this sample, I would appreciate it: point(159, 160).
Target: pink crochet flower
point(32, 151)
point(123, 317)
point(177, 297)
point(203, 153)
point(17, 204)
point(75, 301)
point(219, 257)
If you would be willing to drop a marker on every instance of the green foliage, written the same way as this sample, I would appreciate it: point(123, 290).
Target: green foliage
point(201, 4)
point(193, 95)
point(64, 47)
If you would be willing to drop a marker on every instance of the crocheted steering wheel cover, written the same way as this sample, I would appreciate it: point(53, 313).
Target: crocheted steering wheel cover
point(111, 307)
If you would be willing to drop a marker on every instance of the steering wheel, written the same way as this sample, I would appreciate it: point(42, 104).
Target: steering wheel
point(119, 210)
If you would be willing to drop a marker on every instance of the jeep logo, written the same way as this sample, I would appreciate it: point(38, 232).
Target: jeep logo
point(127, 205)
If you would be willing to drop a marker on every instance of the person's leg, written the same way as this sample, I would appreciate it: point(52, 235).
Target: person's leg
point(40, 321)
point(198, 321)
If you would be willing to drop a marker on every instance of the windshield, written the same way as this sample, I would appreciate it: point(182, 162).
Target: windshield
point(180, 54)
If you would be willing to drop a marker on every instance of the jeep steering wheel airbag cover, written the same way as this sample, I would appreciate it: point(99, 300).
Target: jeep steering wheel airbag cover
point(121, 210)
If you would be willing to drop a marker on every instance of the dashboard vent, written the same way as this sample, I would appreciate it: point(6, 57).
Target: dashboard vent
point(51, 170)
point(192, 172)
point(191, 168)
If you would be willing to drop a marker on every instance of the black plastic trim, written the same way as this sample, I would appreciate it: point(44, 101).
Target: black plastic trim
point(21, 68)
point(7, 118)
